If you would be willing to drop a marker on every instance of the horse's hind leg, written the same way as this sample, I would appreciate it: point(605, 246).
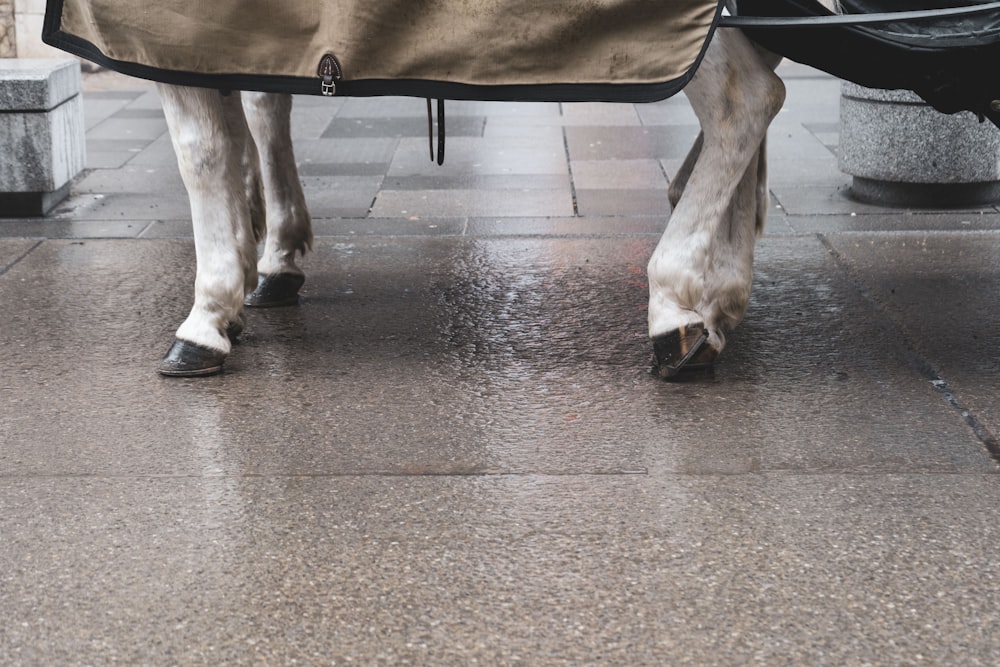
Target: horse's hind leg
point(209, 135)
point(699, 272)
point(289, 229)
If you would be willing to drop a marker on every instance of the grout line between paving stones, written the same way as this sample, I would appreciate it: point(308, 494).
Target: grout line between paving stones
point(17, 260)
point(917, 361)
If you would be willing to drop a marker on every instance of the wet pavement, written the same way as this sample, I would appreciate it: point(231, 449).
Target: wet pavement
point(453, 452)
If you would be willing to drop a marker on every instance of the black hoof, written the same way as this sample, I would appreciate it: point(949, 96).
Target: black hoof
point(186, 359)
point(683, 349)
point(273, 290)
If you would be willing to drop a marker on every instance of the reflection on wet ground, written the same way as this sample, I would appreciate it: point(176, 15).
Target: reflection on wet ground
point(453, 450)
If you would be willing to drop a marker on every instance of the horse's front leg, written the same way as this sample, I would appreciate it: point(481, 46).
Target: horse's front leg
point(210, 136)
point(699, 274)
point(289, 229)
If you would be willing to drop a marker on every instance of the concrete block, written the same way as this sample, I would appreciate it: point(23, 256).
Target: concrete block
point(902, 152)
point(41, 132)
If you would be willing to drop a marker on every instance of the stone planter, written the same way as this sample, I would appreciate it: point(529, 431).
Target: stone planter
point(901, 152)
point(42, 143)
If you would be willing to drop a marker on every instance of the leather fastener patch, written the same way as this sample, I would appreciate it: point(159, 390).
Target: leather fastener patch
point(329, 73)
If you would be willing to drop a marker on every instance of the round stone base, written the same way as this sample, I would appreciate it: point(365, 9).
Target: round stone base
point(901, 152)
point(924, 195)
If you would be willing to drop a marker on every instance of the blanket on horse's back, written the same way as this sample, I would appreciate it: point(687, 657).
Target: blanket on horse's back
point(559, 50)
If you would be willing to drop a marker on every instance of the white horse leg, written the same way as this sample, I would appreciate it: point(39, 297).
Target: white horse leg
point(697, 282)
point(289, 229)
point(727, 282)
point(680, 180)
point(209, 136)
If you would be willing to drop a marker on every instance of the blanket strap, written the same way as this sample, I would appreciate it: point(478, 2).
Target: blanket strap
point(827, 20)
point(440, 130)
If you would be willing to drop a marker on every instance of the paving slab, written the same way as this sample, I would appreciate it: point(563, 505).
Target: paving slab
point(479, 203)
point(622, 202)
point(630, 143)
point(13, 250)
point(758, 569)
point(483, 156)
point(519, 355)
point(941, 290)
point(406, 126)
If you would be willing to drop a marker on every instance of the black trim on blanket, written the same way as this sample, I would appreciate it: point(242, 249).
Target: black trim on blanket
point(556, 92)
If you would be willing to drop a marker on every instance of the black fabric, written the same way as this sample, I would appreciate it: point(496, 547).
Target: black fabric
point(970, 29)
point(950, 63)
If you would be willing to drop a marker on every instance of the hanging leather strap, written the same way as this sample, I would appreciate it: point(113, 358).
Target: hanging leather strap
point(440, 130)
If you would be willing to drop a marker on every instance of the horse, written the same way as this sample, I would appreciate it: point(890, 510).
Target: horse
point(235, 156)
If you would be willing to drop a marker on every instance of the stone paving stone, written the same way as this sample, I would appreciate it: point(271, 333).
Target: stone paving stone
point(132, 179)
point(129, 128)
point(618, 175)
point(516, 356)
point(148, 99)
point(387, 107)
point(346, 150)
point(168, 229)
point(832, 198)
point(158, 153)
point(894, 222)
point(134, 113)
point(519, 128)
point(775, 569)
point(114, 153)
point(337, 169)
point(797, 157)
point(97, 110)
point(13, 250)
point(622, 202)
point(390, 227)
point(596, 113)
point(309, 122)
point(630, 143)
point(118, 206)
point(672, 111)
point(341, 196)
point(473, 203)
point(71, 229)
point(456, 126)
point(452, 181)
point(812, 100)
point(467, 156)
point(604, 226)
point(942, 291)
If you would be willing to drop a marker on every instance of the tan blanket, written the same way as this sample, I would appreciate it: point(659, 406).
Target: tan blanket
point(472, 49)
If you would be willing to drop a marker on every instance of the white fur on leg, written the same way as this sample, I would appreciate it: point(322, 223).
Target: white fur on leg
point(735, 95)
point(210, 165)
point(727, 282)
point(289, 228)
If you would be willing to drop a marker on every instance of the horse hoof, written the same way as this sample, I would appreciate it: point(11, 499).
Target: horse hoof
point(186, 359)
point(276, 289)
point(683, 349)
point(235, 330)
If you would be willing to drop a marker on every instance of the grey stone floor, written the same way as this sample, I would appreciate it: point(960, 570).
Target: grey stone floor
point(453, 451)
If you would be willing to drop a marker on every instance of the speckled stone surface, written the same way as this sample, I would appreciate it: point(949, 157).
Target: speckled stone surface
point(42, 132)
point(453, 451)
point(893, 136)
point(37, 84)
